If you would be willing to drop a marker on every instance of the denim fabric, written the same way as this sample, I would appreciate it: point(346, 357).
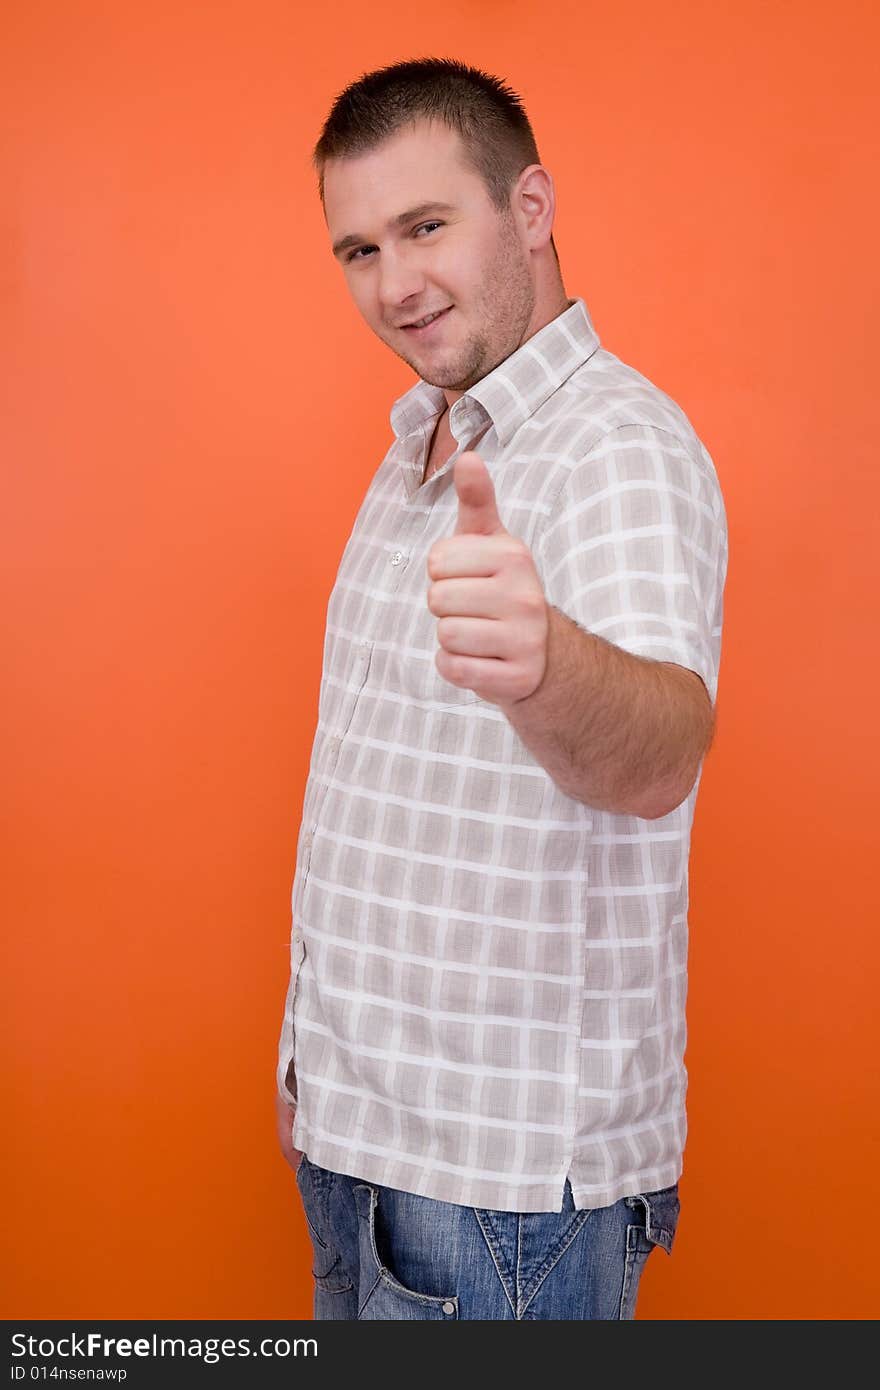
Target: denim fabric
point(383, 1254)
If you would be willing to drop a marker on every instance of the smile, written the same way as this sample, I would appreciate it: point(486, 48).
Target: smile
point(424, 326)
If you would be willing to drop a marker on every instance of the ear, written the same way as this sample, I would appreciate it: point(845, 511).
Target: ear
point(534, 206)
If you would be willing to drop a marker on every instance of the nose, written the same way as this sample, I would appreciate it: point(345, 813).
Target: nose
point(400, 282)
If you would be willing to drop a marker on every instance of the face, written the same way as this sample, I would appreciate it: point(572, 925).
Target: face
point(404, 260)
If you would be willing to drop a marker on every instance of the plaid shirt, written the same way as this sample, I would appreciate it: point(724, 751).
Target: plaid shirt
point(488, 978)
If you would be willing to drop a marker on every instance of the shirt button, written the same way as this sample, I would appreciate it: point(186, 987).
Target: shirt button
point(448, 1307)
point(397, 557)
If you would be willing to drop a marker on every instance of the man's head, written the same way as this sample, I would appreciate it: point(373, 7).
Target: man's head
point(401, 141)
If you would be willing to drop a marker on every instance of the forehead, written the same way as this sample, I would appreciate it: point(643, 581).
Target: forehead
point(416, 165)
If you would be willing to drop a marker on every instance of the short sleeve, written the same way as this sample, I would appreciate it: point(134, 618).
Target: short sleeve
point(635, 548)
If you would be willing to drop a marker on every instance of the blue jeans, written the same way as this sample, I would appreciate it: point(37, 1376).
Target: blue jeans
point(384, 1254)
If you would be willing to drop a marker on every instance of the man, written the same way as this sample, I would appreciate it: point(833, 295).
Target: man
point(480, 1079)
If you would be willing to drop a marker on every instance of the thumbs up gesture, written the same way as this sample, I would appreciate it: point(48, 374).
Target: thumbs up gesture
point(486, 593)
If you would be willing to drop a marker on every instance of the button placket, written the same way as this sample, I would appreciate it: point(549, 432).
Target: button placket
point(361, 664)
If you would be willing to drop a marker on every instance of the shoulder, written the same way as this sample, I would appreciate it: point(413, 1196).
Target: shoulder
point(607, 421)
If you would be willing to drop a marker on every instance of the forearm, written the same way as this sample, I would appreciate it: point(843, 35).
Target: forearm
point(614, 731)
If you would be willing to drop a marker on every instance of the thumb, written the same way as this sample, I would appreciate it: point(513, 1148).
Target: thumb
point(477, 509)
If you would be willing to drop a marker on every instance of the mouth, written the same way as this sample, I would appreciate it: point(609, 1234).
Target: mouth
point(428, 329)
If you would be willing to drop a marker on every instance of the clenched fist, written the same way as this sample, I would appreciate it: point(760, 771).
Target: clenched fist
point(486, 593)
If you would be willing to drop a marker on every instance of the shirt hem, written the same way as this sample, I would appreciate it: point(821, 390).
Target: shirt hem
point(482, 1193)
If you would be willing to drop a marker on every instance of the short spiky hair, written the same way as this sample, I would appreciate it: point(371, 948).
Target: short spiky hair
point(497, 138)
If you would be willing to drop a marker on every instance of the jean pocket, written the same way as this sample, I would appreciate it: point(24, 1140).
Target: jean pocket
point(388, 1300)
point(327, 1270)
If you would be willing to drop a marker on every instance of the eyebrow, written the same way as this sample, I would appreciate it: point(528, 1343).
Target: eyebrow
point(354, 239)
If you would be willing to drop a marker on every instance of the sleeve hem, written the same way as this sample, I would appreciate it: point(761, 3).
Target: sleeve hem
point(689, 657)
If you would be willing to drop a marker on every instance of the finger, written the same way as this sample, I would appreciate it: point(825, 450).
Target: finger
point(473, 598)
point(477, 508)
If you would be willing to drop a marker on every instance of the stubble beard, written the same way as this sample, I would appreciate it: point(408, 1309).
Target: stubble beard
point(510, 285)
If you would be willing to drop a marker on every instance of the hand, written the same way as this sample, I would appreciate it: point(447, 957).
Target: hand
point(488, 597)
point(284, 1114)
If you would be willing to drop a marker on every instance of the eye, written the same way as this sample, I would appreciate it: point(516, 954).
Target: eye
point(355, 255)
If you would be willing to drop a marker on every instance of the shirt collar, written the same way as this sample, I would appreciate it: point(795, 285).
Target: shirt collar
point(512, 392)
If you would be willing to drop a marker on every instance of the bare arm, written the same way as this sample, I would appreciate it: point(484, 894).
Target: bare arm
point(615, 731)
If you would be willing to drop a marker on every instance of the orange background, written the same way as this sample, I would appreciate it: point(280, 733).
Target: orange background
point(179, 482)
